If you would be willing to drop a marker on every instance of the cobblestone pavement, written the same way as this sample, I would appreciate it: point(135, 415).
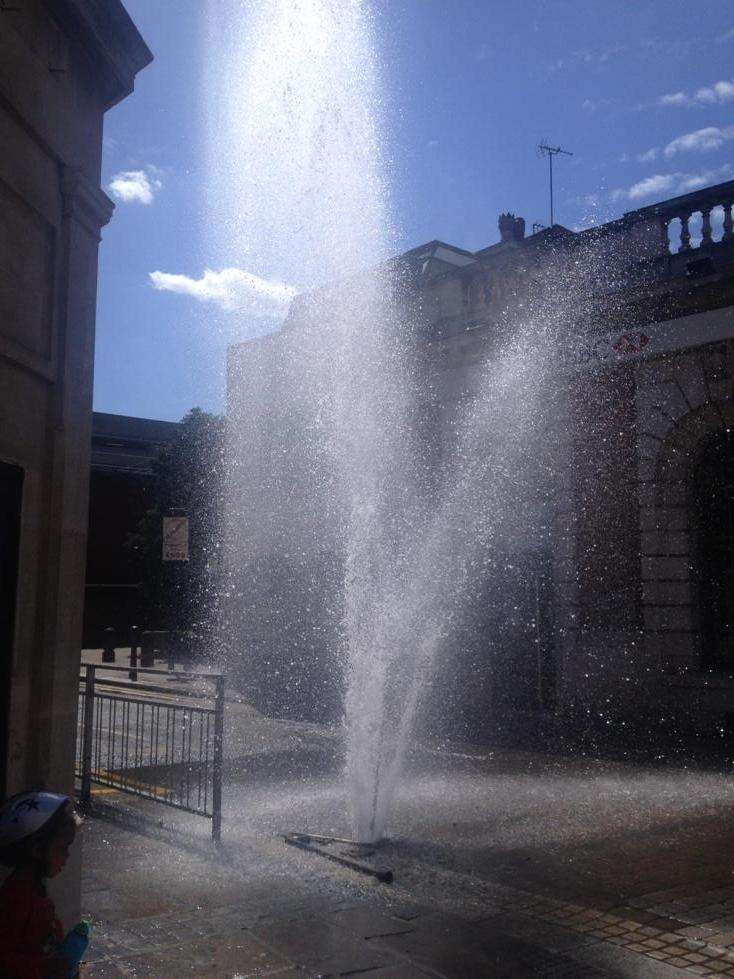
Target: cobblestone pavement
point(506, 864)
point(313, 922)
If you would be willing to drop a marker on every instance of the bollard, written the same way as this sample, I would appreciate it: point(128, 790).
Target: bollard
point(108, 645)
point(153, 641)
point(146, 649)
point(133, 674)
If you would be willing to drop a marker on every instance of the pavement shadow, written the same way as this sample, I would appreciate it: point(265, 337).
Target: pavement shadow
point(605, 871)
point(156, 827)
point(287, 765)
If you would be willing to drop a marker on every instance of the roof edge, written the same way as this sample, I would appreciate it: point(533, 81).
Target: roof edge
point(115, 42)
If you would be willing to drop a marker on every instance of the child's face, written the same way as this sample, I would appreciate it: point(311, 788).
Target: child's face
point(57, 852)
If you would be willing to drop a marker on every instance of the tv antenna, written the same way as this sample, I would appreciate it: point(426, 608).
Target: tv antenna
point(550, 151)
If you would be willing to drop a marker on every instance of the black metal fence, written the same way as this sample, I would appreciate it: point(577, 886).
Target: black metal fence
point(153, 741)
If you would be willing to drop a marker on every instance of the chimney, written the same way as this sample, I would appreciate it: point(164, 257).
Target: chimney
point(511, 228)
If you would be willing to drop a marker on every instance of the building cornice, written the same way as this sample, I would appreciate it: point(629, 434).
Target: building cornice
point(110, 37)
point(84, 201)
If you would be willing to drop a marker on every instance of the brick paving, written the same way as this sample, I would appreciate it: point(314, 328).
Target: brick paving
point(632, 880)
point(273, 914)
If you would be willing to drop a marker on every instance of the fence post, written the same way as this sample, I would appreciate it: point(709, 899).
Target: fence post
point(133, 673)
point(218, 761)
point(88, 734)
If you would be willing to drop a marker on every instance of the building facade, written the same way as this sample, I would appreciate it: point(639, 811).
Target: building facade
point(63, 63)
point(616, 607)
point(121, 489)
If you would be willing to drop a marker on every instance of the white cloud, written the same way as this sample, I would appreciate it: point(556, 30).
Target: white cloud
point(673, 98)
point(135, 186)
point(659, 183)
point(693, 181)
point(230, 289)
point(700, 141)
point(594, 105)
point(601, 58)
point(672, 183)
point(716, 94)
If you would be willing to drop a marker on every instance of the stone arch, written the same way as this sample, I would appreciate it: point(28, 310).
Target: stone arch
point(682, 449)
point(683, 401)
point(713, 519)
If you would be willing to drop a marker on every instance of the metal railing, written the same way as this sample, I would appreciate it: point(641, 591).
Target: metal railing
point(152, 741)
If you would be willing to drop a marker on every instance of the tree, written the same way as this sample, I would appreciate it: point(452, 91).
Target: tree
point(182, 596)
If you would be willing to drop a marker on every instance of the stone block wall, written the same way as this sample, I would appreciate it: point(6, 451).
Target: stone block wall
point(61, 66)
point(628, 580)
point(683, 399)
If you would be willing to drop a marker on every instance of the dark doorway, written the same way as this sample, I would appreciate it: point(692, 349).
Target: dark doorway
point(714, 498)
point(523, 658)
point(11, 494)
point(501, 658)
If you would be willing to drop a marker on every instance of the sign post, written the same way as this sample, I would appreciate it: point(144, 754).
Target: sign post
point(175, 539)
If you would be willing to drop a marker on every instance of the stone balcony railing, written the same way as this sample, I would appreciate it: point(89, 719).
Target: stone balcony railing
point(695, 221)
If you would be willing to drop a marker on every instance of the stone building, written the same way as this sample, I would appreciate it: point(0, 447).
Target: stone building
point(62, 65)
point(121, 489)
point(615, 607)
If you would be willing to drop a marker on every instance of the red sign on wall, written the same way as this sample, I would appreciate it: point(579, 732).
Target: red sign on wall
point(631, 343)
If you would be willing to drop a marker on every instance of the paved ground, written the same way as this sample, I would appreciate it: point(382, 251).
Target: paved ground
point(507, 864)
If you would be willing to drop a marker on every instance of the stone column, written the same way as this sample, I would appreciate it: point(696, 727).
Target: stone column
point(685, 233)
point(85, 210)
point(728, 224)
point(706, 226)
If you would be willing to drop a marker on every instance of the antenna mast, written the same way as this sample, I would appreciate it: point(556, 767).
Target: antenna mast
point(550, 152)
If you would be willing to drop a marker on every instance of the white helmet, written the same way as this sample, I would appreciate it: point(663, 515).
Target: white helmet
point(23, 815)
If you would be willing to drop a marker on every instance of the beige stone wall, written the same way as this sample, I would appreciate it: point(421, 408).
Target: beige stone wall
point(683, 399)
point(50, 217)
point(54, 89)
point(652, 668)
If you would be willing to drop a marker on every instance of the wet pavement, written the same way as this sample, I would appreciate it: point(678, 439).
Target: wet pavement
point(506, 864)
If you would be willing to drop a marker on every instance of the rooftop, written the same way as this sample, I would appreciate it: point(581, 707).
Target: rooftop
point(111, 39)
point(123, 444)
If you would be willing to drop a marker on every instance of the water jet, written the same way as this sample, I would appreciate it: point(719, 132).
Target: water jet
point(351, 556)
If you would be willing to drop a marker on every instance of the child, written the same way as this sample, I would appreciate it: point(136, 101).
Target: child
point(36, 831)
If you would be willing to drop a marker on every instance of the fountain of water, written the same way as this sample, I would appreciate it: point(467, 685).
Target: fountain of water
point(328, 462)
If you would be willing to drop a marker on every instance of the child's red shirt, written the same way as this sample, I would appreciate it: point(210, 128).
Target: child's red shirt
point(29, 929)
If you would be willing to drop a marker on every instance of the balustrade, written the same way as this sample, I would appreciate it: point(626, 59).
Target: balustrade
point(728, 224)
point(706, 226)
point(685, 231)
point(705, 217)
point(705, 210)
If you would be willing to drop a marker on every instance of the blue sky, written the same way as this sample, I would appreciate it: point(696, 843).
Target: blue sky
point(642, 93)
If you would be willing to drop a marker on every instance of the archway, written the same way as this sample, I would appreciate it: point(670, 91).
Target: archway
point(713, 497)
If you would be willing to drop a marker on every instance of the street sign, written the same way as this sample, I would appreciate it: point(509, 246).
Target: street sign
point(652, 340)
point(175, 539)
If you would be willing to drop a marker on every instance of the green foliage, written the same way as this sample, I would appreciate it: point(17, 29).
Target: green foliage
point(189, 481)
